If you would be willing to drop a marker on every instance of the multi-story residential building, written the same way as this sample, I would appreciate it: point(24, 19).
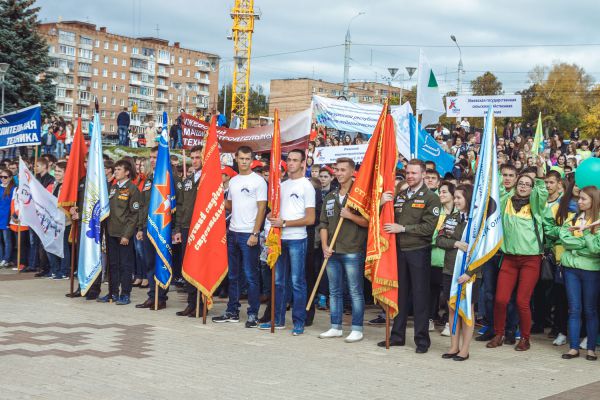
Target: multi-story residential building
point(292, 96)
point(146, 75)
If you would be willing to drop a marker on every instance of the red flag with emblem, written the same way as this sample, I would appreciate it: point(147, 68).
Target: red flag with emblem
point(377, 175)
point(75, 171)
point(205, 261)
point(273, 241)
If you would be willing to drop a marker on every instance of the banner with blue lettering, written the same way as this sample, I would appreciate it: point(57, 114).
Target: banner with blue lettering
point(21, 128)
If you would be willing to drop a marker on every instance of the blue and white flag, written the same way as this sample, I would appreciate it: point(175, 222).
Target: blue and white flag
point(160, 210)
point(21, 128)
point(484, 229)
point(95, 210)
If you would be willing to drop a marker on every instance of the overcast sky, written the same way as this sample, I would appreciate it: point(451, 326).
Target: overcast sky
point(285, 26)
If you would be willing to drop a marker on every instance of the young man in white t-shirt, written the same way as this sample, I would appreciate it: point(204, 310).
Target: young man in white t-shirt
point(297, 211)
point(247, 201)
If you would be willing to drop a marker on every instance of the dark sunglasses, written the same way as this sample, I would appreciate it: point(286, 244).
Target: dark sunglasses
point(4, 177)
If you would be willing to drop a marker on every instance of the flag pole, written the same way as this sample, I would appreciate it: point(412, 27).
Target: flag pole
point(204, 309)
point(73, 250)
point(155, 294)
point(387, 327)
point(197, 303)
point(184, 166)
point(19, 246)
point(273, 298)
point(333, 240)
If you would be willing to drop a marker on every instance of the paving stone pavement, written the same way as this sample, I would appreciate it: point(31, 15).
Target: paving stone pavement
point(52, 347)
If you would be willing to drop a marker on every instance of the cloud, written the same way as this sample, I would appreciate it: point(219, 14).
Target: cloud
point(294, 25)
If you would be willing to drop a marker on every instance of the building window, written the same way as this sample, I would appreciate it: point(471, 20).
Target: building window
point(113, 101)
point(172, 71)
point(114, 88)
point(66, 36)
point(95, 83)
point(180, 72)
point(114, 75)
point(122, 103)
point(124, 48)
point(105, 73)
point(105, 59)
point(103, 114)
point(187, 73)
point(116, 47)
point(67, 50)
point(61, 92)
point(115, 61)
point(85, 40)
point(180, 59)
point(83, 53)
point(96, 58)
point(83, 67)
point(104, 86)
point(97, 43)
point(84, 95)
point(106, 45)
point(103, 99)
point(123, 63)
point(123, 75)
point(135, 50)
point(189, 61)
point(122, 88)
point(95, 71)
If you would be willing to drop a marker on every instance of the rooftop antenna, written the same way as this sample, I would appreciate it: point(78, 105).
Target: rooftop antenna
point(157, 31)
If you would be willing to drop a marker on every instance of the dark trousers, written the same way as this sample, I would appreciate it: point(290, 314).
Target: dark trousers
point(191, 290)
point(150, 260)
point(121, 262)
point(414, 271)
point(561, 311)
point(542, 302)
point(435, 288)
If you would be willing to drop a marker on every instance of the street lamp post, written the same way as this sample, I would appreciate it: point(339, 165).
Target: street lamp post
point(460, 65)
point(347, 43)
point(409, 70)
point(3, 70)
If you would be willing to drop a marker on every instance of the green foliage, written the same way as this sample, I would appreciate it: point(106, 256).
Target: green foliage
point(27, 81)
point(258, 102)
point(486, 85)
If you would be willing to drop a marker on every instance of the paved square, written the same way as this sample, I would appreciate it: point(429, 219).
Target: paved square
point(52, 347)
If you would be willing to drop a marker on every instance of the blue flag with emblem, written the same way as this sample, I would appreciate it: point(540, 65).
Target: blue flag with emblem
point(160, 210)
point(429, 149)
point(95, 210)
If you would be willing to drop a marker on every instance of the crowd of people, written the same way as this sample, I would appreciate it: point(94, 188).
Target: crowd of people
point(545, 279)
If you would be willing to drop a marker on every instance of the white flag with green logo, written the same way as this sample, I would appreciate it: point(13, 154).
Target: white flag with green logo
point(429, 101)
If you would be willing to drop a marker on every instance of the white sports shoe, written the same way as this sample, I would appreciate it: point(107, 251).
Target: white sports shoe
point(332, 333)
point(446, 331)
point(354, 336)
point(560, 340)
point(583, 344)
point(431, 326)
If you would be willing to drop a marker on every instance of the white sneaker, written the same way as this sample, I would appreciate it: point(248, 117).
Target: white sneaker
point(446, 331)
point(354, 336)
point(560, 340)
point(3, 263)
point(583, 344)
point(330, 334)
point(431, 326)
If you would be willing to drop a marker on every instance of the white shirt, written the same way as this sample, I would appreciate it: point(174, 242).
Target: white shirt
point(244, 192)
point(296, 196)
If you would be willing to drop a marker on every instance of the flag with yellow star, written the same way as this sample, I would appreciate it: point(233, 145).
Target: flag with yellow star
point(160, 210)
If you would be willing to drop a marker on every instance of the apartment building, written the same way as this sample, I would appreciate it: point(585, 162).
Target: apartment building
point(146, 75)
point(292, 96)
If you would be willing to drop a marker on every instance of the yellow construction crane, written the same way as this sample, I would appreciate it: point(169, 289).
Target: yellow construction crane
point(243, 16)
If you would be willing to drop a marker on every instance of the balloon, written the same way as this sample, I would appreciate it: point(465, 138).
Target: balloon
point(588, 173)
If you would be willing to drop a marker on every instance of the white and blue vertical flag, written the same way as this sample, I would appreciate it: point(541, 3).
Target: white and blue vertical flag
point(95, 210)
point(484, 229)
point(160, 210)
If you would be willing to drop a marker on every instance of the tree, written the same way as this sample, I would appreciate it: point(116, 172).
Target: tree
point(486, 85)
point(27, 81)
point(258, 103)
point(563, 93)
point(591, 122)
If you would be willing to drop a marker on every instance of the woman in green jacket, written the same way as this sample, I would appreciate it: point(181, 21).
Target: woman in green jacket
point(581, 261)
point(449, 238)
point(522, 215)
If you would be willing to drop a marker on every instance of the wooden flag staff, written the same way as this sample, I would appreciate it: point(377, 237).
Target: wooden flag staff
point(333, 240)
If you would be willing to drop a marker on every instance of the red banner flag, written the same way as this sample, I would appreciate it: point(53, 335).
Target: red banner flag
point(273, 241)
point(376, 175)
point(205, 261)
point(75, 171)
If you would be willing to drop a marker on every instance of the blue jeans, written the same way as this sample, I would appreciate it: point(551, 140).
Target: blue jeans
point(353, 265)
point(140, 259)
point(60, 149)
point(244, 258)
point(122, 135)
point(179, 144)
point(582, 284)
point(6, 245)
point(62, 266)
point(291, 261)
point(34, 246)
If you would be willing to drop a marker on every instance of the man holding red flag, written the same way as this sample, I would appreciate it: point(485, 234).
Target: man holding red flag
point(247, 200)
point(205, 259)
point(416, 217)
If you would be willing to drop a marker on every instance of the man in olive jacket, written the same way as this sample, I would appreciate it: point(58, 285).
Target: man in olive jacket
point(416, 215)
